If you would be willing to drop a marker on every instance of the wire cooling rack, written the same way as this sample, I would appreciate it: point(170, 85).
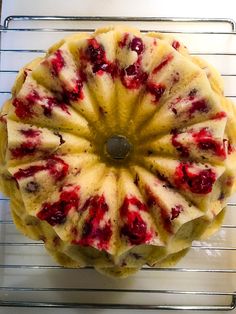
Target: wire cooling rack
point(204, 280)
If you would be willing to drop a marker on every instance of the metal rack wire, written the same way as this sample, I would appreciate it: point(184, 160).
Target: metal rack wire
point(28, 275)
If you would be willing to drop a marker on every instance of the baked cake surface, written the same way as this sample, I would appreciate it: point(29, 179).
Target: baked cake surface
point(117, 149)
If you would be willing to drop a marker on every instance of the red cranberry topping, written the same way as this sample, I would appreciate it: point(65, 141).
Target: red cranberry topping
point(56, 213)
point(57, 62)
point(31, 133)
point(204, 140)
point(157, 90)
point(164, 62)
point(183, 151)
point(134, 228)
point(55, 165)
point(93, 232)
point(137, 45)
point(198, 105)
point(175, 44)
point(175, 211)
point(133, 77)
point(199, 182)
point(122, 43)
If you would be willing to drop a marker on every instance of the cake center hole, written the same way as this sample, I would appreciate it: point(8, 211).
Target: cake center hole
point(118, 147)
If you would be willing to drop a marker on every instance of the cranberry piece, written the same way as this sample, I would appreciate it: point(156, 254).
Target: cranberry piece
point(96, 55)
point(28, 172)
point(198, 105)
point(164, 62)
point(122, 43)
point(135, 230)
point(23, 110)
point(27, 148)
point(137, 45)
point(31, 133)
point(131, 70)
point(131, 201)
point(157, 90)
point(204, 140)
point(95, 51)
point(56, 167)
point(200, 182)
point(175, 211)
point(231, 149)
point(133, 77)
point(75, 94)
point(50, 103)
point(57, 62)
point(56, 213)
point(32, 97)
point(175, 44)
point(220, 115)
point(183, 151)
point(92, 231)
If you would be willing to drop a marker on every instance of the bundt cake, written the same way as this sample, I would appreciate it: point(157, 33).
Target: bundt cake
point(117, 150)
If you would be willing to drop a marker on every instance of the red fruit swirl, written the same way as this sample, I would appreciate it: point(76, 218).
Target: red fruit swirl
point(55, 165)
point(163, 63)
point(175, 44)
point(176, 210)
point(96, 55)
point(183, 151)
point(191, 178)
point(56, 213)
point(93, 233)
point(133, 77)
point(29, 146)
point(123, 42)
point(57, 62)
point(134, 228)
point(205, 141)
point(157, 90)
